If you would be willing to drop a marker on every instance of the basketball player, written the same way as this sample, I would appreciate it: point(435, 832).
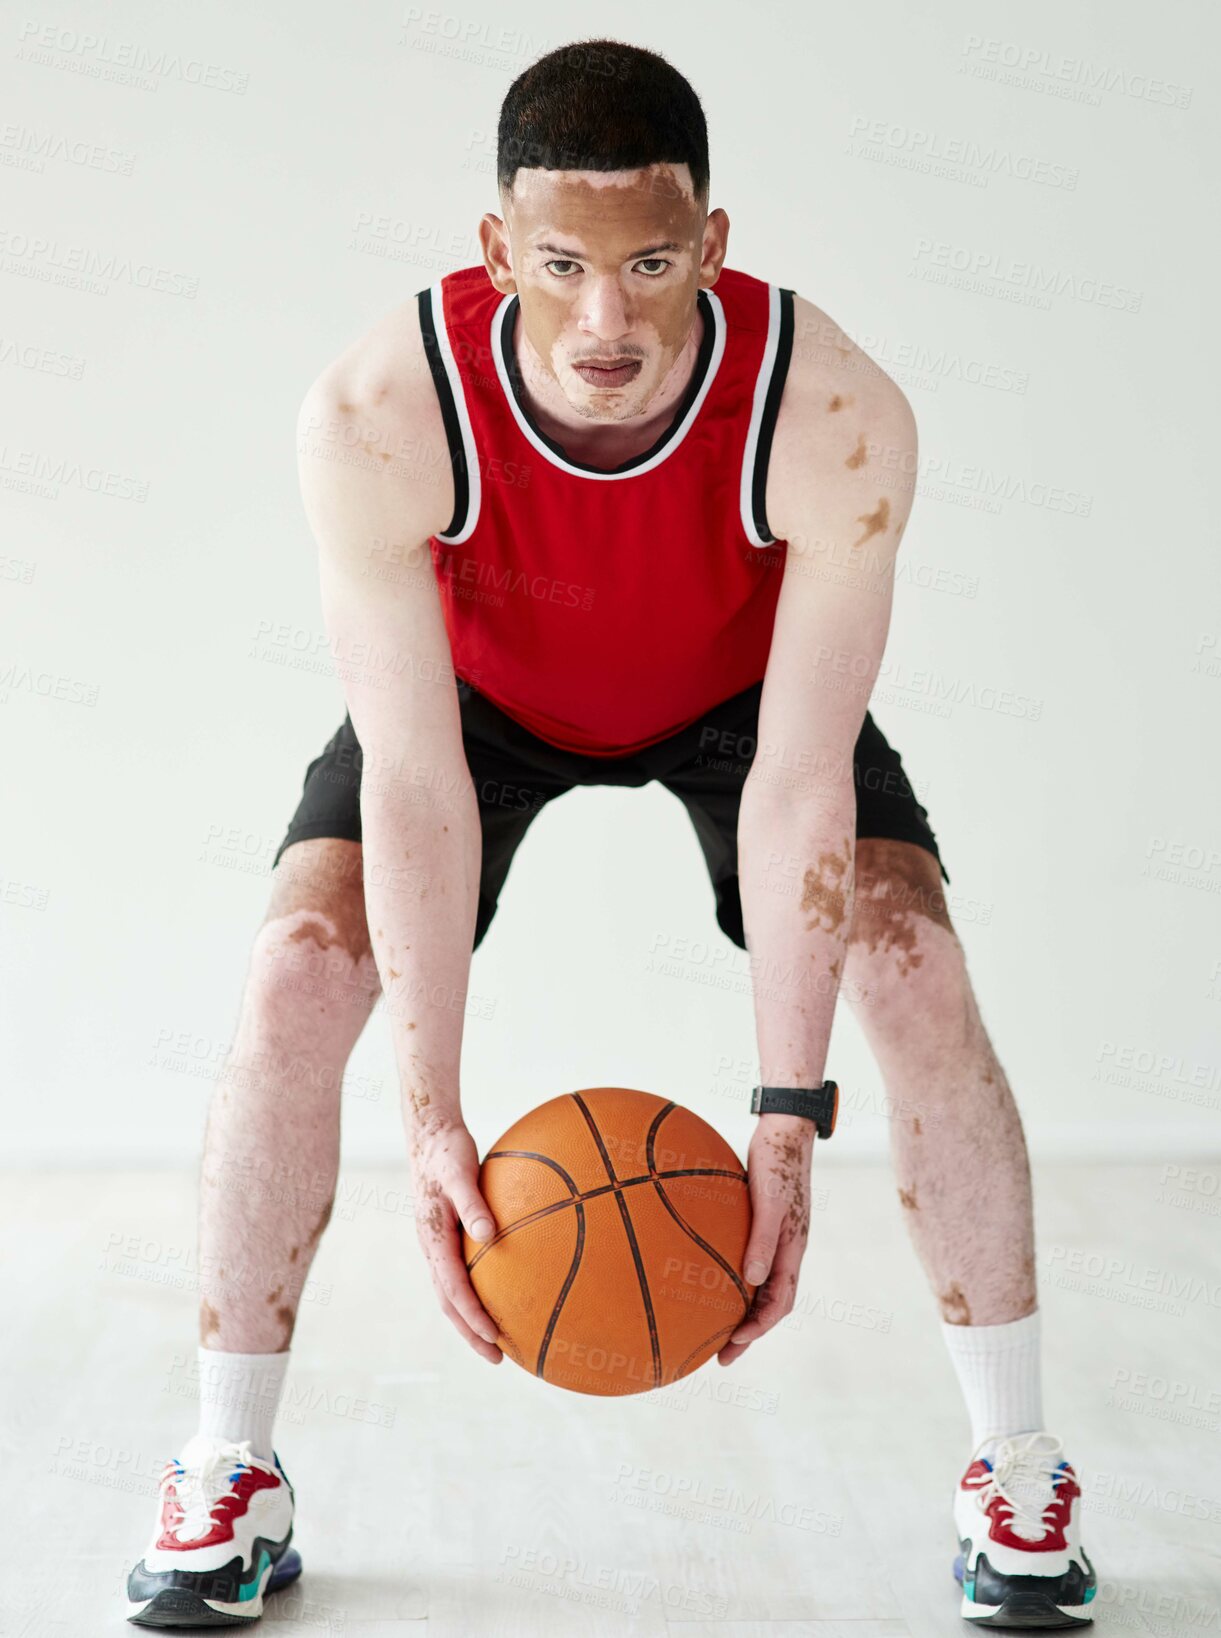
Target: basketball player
point(602, 509)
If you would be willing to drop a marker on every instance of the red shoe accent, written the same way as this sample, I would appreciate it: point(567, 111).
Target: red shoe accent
point(228, 1508)
point(1000, 1512)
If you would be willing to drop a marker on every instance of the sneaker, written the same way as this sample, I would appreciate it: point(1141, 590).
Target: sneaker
point(1021, 1562)
point(221, 1541)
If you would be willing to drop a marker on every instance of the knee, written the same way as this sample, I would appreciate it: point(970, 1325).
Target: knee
point(902, 947)
point(906, 978)
point(311, 985)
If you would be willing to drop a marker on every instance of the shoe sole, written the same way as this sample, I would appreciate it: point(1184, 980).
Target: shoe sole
point(180, 1607)
point(1023, 1607)
point(1028, 1611)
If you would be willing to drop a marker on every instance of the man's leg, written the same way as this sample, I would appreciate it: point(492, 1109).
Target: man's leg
point(271, 1155)
point(956, 1138)
point(964, 1185)
point(959, 1152)
point(271, 1151)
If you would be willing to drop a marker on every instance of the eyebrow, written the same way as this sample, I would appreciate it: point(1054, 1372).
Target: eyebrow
point(637, 255)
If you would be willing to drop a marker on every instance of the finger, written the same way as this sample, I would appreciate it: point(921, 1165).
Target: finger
point(732, 1351)
point(772, 1302)
point(472, 1209)
point(760, 1248)
point(485, 1350)
point(451, 1274)
point(438, 1229)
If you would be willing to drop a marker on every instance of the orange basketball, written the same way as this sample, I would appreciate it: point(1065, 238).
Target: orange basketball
point(621, 1225)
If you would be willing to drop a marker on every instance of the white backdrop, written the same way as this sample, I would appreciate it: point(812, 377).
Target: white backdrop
point(205, 204)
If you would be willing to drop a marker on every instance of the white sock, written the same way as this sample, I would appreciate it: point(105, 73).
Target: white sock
point(998, 1372)
point(239, 1395)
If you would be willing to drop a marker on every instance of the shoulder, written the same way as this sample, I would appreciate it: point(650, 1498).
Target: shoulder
point(378, 396)
point(840, 415)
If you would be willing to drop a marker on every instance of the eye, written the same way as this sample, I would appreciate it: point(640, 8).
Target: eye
point(561, 261)
point(656, 261)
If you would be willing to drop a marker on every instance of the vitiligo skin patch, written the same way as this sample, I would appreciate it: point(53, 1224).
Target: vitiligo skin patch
point(961, 1167)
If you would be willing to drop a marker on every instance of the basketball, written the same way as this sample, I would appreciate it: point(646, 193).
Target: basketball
point(621, 1225)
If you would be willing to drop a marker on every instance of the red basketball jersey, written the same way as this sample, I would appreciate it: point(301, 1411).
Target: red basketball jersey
point(605, 610)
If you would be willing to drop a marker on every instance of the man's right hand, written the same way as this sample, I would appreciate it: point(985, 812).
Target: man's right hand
point(445, 1166)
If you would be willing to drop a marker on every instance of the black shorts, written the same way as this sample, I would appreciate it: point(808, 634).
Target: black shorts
point(705, 764)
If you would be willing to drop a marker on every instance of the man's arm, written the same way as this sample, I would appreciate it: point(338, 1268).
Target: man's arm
point(840, 495)
point(370, 490)
point(844, 499)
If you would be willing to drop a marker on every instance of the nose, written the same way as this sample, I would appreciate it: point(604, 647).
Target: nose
point(604, 314)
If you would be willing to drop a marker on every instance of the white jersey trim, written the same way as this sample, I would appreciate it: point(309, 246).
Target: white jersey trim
point(750, 453)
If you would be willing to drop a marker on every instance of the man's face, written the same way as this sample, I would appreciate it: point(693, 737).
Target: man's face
point(606, 266)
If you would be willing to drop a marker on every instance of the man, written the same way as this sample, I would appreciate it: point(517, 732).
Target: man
point(583, 510)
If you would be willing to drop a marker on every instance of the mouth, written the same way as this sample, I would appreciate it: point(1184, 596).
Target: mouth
point(608, 373)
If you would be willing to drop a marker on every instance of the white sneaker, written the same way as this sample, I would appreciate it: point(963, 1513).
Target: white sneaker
point(221, 1541)
point(1021, 1563)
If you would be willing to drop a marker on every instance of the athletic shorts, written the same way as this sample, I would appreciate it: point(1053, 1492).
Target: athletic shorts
point(516, 774)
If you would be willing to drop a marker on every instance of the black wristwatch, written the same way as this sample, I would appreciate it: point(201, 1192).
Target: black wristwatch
point(819, 1104)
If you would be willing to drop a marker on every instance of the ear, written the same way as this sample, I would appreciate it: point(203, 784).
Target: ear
point(497, 253)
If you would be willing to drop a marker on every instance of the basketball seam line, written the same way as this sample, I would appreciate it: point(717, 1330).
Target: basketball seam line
point(567, 1286)
point(687, 1229)
point(579, 1199)
point(630, 1228)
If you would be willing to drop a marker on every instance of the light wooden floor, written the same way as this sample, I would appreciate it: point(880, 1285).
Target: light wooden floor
point(802, 1493)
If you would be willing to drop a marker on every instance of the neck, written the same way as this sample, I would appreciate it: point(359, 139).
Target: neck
point(602, 443)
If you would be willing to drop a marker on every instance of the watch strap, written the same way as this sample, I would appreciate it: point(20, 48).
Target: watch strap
point(819, 1104)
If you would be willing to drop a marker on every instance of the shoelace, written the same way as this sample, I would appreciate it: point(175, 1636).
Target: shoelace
point(201, 1485)
point(1024, 1472)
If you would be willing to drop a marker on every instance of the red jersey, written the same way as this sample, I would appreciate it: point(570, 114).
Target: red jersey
point(606, 609)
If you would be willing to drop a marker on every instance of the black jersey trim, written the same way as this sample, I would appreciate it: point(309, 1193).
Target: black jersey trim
point(771, 409)
point(449, 413)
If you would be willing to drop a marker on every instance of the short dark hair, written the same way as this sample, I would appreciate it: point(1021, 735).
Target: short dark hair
point(601, 105)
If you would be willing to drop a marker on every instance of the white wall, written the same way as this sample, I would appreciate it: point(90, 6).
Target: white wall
point(139, 827)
